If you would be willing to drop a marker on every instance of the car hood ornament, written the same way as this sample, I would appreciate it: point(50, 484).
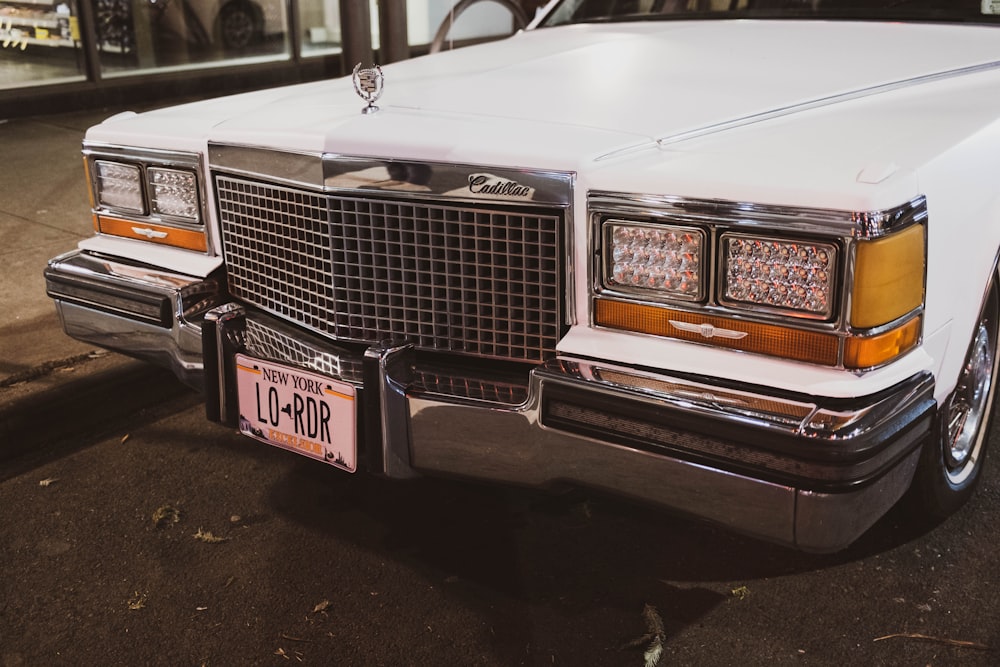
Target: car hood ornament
point(368, 84)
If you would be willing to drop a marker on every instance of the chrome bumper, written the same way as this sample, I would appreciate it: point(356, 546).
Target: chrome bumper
point(794, 470)
point(134, 309)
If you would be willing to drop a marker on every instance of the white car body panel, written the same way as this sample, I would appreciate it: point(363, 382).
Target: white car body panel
point(526, 102)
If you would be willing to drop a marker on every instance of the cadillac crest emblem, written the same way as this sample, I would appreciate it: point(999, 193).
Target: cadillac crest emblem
point(368, 85)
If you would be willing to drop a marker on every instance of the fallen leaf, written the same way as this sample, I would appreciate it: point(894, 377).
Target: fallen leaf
point(165, 514)
point(322, 606)
point(208, 537)
point(656, 635)
point(137, 601)
point(48, 481)
point(740, 592)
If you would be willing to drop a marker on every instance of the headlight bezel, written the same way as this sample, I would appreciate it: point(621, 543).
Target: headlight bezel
point(179, 227)
point(726, 320)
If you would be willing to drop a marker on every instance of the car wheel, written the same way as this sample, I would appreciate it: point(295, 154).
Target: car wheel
point(952, 461)
point(238, 25)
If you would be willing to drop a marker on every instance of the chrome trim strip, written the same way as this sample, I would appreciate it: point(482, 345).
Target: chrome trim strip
point(286, 167)
point(826, 101)
point(791, 417)
point(802, 106)
point(743, 215)
point(471, 183)
point(404, 178)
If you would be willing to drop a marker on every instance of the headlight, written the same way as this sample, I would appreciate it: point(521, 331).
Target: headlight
point(150, 196)
point(119, 186)
point(665, 260)
point(797, 277)
point(173, 192)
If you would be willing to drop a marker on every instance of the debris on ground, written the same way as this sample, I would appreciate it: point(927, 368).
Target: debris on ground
point(166, 514)
point(208, 537)
point(137, 601)
point(740, 592)
point(655, 636)
point(937, 640)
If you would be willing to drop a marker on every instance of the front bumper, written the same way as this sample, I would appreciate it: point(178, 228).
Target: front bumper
point(138, 310)
point(798, 470)
point(791, 469)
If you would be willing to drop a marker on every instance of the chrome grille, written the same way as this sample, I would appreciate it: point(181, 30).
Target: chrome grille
point(477, 279)
point(270, 343)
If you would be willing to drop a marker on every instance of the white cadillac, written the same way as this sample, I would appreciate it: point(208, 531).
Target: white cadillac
point(738, 262)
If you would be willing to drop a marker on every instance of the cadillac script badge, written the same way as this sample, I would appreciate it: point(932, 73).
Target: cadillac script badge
point(368, 84)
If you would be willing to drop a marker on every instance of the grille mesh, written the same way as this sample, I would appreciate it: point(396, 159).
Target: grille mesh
point(480, 280)
point(270, 343)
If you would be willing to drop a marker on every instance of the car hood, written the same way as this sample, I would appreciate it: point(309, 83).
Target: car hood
point(559, 96)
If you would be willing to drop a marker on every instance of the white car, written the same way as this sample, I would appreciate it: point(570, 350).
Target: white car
point(739, 262)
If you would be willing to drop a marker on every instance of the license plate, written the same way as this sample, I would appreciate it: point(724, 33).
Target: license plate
point(303, 412)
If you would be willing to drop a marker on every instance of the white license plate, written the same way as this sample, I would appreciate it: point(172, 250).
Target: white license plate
point(303, 412)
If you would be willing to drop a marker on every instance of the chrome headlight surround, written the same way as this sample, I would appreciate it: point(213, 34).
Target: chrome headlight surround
point(148, 194)
point(868, 301)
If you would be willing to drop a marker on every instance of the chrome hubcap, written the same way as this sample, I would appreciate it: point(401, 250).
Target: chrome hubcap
point(969, 407)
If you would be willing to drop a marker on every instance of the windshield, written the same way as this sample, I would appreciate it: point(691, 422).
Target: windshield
point(606, 11)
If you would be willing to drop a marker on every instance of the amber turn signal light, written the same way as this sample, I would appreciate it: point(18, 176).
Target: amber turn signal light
point(164, 235)
point(888, 278)
point(868, 352)
point(811, 346)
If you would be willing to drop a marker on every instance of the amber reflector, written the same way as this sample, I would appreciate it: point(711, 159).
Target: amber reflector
point(888, 278)
point(811, 346)
point(877, 350)
point(162, 234)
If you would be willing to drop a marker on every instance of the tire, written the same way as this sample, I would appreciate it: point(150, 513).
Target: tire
point(951, 462)
point(239, 26)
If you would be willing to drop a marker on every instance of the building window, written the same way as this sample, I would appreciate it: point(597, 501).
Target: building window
point(139, 36)
point(39, 43)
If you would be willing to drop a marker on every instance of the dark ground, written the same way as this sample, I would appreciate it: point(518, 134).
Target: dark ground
point(134, 532)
